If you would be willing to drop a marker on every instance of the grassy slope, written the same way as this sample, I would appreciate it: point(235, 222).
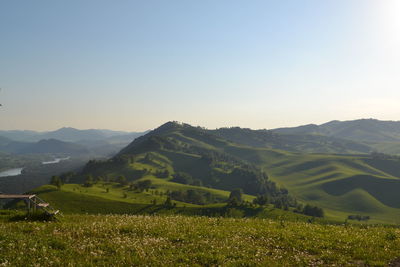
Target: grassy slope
point(88, 240)
point(342, 185)
point(74, 198)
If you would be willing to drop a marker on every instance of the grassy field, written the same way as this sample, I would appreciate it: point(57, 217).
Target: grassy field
point(109, 240)
point(77, 199)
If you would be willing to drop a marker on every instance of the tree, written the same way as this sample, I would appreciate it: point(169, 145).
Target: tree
point(236, 194)
point(122, 180)
point(313, 211)
point(168, 202)
point(56, 180)
point(89, 181)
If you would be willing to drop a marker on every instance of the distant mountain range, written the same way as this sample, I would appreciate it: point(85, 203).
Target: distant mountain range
point(66, 141)
point(364, 130)
point(45, 146)
point(68, 134)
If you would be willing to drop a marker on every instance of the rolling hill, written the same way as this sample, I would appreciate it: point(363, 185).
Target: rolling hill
point(364, 130)
point(295, 142)
point(192, 152)
point(343, 184)
point(180, 157)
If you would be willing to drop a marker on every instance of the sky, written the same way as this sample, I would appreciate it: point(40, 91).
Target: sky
point(133, 65)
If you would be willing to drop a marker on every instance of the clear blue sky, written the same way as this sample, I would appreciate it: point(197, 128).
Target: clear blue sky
point(132, 65)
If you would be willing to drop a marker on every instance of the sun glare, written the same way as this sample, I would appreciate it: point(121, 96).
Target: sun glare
point(391, 14)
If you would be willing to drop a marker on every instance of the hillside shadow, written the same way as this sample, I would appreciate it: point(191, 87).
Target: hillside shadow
point(384, 190)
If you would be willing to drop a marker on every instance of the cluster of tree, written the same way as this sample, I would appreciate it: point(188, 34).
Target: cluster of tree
point(286, 201)
point(66, 177)
point(358, 217)
point(193, 196)
point(90, 180)
point(162, 174)
point(185, 178)
point(168, 203)
point(213, 158)
point(383, 156)
point(62, 179)
point(141, 185)
point(280, 201)
point(154, 143)
point(106, 168)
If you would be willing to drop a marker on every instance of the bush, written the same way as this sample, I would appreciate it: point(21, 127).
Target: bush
point(313, 211)
point(358, 217)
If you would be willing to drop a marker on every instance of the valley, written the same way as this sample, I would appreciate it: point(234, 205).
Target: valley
point(178, 157)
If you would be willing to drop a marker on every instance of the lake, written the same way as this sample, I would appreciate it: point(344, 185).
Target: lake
point(11, 172)
point(55, 161)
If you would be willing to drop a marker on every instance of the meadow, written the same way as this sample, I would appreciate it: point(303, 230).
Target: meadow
point(110, 240)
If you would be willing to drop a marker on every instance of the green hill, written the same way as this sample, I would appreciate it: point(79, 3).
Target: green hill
point(341, 184)
point(296, 142)
point(199, 167)
point(177, 149)
point(382, 136)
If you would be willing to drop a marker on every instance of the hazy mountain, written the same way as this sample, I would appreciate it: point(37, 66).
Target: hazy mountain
point(68, 134)
point(73, 135)
point(364, 130)
point(94, 142)
point(4, 141)
point(18, 135)
point(47, 146)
